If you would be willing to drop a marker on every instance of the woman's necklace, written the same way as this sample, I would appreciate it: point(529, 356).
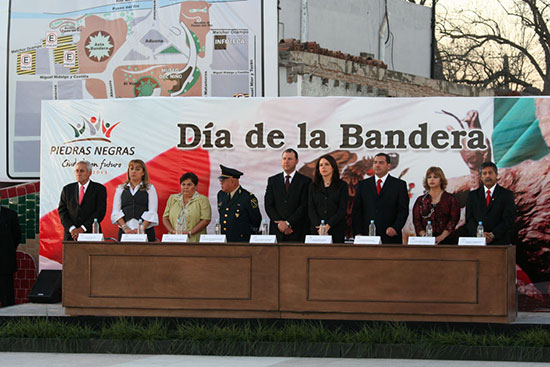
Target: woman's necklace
point(435, 199)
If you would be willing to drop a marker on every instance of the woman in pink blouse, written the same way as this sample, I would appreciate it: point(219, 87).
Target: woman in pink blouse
point(437, 206)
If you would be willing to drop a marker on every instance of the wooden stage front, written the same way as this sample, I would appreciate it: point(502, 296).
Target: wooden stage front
point(291, 281)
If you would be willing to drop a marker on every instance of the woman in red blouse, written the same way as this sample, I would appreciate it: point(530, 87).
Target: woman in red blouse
point(437, 206)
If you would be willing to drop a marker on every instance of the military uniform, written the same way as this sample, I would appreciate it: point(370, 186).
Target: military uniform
point(239, 216)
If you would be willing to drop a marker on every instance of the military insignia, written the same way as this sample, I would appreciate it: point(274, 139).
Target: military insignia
point(254, 203)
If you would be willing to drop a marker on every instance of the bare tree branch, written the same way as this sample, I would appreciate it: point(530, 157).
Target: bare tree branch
point(506, 47)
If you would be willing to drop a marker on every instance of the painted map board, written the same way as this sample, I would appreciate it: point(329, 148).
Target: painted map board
point(89, 49)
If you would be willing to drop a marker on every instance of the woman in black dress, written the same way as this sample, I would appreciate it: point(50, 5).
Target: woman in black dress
point(328, 199)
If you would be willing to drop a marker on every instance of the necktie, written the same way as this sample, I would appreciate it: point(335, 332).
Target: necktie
point(488, 197)
point(81, 195)
point(287, 182)
point(378, 186)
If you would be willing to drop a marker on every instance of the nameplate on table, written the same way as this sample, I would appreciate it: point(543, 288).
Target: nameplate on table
point(414, 240)
point(263, 238)
point(133, 237)
point(175, 238)
point(213, 238)
point(367, 240)
point(472, 241)
point(90, 237)
point(314, 239)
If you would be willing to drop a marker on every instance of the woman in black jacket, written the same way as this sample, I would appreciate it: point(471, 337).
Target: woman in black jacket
point(328, 199)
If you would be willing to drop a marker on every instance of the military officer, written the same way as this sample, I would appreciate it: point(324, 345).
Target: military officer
point(238, 208)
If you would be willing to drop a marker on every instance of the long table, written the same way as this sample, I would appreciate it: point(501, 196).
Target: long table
point(352, 282)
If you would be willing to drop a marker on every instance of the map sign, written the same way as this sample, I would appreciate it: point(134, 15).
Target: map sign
point(89, 49)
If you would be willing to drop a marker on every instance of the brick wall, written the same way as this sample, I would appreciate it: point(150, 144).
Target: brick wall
point(25, 277)
point(326, 73)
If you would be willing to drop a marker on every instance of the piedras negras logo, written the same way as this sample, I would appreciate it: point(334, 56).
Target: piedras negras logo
point(92, 129)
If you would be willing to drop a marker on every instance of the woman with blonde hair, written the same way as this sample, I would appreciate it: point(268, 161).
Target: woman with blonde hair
point(136, 199)
point(437, 206)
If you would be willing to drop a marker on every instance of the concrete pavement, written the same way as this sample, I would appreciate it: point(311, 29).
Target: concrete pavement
point(128, 360)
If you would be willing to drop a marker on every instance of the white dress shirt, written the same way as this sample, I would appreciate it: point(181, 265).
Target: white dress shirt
point(85, 189)
point(290, 178)
point(376, 178)
point(492, 189)
point(150, 215)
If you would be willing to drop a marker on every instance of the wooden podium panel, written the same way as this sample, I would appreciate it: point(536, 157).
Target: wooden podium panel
point(357, 282)
point(428, 283)
point(160, 279)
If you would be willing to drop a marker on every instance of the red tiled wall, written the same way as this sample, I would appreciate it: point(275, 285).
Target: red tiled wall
point(24, 278)
point(24, 200)
point(14, 191)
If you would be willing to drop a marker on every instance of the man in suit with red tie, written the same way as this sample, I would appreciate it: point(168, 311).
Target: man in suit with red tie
point(493, 205)
point(384, 199)
point(81, 202)
point(285, 201)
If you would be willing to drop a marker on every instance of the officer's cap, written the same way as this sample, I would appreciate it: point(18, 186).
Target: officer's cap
point(229, 172)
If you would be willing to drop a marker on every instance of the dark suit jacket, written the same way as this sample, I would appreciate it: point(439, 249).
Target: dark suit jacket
point(498, 218)
point(10, 236)
point(239, 216)
point(389, 209)
point(330, 204)
point(93, 206)
point(290, 207)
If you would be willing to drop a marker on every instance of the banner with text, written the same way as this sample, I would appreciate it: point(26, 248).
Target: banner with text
point(174, 136)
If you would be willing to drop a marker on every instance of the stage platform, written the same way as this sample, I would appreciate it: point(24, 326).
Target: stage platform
point(57, 310)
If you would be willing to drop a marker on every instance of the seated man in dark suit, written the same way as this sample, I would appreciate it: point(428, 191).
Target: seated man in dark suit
point(81, 202)
point(10, 236)
point(285, 201)
point(384, 199)
point(493, 205)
